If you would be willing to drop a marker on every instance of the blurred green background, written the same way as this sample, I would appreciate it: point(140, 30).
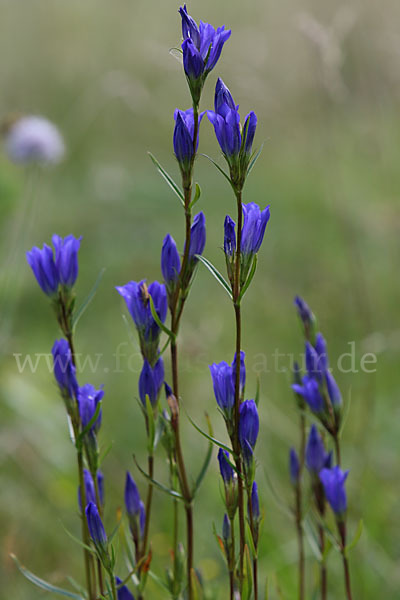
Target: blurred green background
point(324, 80)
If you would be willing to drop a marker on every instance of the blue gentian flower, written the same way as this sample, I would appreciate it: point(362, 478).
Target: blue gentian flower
point(197, 236)
point(67, 258)
point(224, 386)
point(150, 381)
point(229, 237)
point(123, 592)
point(95, 525)
point(64, 369)
point(316, 456)
point(88, 398)
point(255, 504)
point(235, 142)
point(44, 268)
point(100, 486)
point(242, 380)
point(183, 137)
point(90, 491)
point(170, 262)
point(294, 466)
point(226, 530)
point(333, 390)
point(333, 481)
point(254, 224)
point(248, 429)
point(134, 507)
point(304, 311)
point(227, 473)
point(201, 49)
point(311, 393)
point(321, 349)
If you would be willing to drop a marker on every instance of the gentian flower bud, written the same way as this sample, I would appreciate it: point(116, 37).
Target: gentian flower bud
point(304, 311)
point(170, 263)
point(249, 131)
point(313, 364)
point(43, 266)
point(227, 473)
point(134, 508)
point(32, 139)
point(321, 350)
point(242, 372)
point(96, 528)
point(100, 486)
point(226, 530)
point(254, 224)
point(311, 394)
point(333, 390)
point(224, 387)
point(223, 98)
point(184, 139)
point(294, 466)
point(197, 236)
point(229, 237)
point(150, 381)
point(64, 369)
point(201, 49)
point(248, 432)
point(136, 296)
point(88, 398)
point(123, 592)
point(67, 258)
point(315, 452)
point(333, 481)
point(90, 492)
point(255, 504)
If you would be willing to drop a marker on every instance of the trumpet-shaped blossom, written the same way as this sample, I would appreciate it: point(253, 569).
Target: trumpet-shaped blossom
point(123, 592)
point(202, 47)
point(197, 236)
point(64, 369)
point(95, 525)
point(150, 381)
point(333, 481)
point(67, 258)
point(184, 137)
point(316, 456)
point(44, 268)
point(227, 473)
point(88, 398)
point(235, 142)
point(254, 224)
point(248, 428)
point(294, 466)
point(224, 377)
point(309, 389)
point(170, 262)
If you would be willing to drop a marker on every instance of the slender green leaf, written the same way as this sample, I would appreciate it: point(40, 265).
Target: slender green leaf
point(210, 438)
point(85, 304)
point(346, 413)
point(254, 160)
point(157, 484)
point(157, 319)
point(257, 394)
point(207, 459)
point(249, 278)
point(311, 536)
point(174, 187)
point(356, 538)
point(78, 541)
point(196, 196)
point(247, 576)
point(160, 582)
point(279, 501)
point(250, 540)
point(44, 585)
point(220, 170)
point(266, 596)
point(214, 271)
point(176, 53)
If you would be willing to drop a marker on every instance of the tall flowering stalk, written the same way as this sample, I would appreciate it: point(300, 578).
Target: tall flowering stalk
point(240, 247)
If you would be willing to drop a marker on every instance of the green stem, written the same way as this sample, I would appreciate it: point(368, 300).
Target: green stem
point(150, 462)
point(85, 531)
point(100, 508)
point(113, 586)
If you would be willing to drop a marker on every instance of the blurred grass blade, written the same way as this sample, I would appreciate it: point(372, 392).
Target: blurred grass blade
point(312, 539)
point(214, 271)
point(174, 187)
point(254, 160)
point(88, 300)
point(356, 538)
point(206, 460)
point(279, 501)
point(157, 484)
point(44, 585)
point(247, 575)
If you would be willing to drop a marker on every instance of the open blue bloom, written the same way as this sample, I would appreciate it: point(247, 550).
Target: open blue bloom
point(229, 237)
point(316, 456)
point(95, 525)
point(333, 390)
point(235, 142)
point(88, 398)
point(90, 491)
point(248, 428)
point(304, 311)
point(183, 136)
point(150, 381)
point(255, 504)
point(310, 392)
point(254, 224)
point(294, 466)
point(227, 473)
point(123, 592)
point(67, 258)
point(201, 49)
point(224, 386)
point(333, 481)
point(170, 262)
point(64, 369)
point(44, 268)
point(197, 236)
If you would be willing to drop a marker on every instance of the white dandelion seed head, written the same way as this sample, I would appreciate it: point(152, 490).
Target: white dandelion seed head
point(34, 139)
